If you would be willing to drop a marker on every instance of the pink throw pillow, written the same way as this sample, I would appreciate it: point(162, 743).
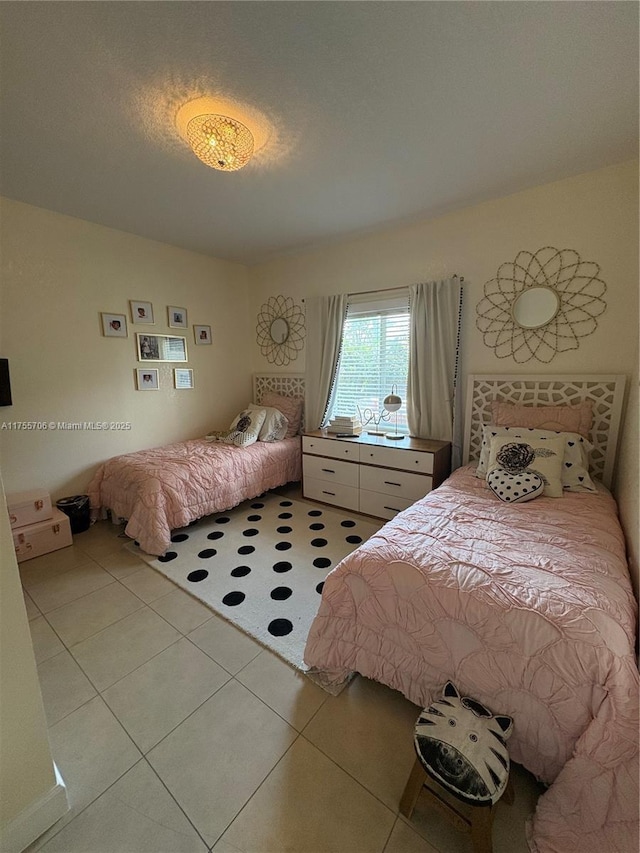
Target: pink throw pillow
point(291, 408)
point(576, 418)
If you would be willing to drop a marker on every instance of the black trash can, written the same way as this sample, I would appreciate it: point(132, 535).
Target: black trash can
point(77, 508)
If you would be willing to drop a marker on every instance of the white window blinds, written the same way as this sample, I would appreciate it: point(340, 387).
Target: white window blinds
point(374, 357)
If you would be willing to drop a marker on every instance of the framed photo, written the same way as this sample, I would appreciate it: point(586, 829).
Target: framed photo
point(141, 312)
point(202, 334)
point(183, 377)
point(147, 379)
point(114, 325)
point(177, 317)
point(161, 348)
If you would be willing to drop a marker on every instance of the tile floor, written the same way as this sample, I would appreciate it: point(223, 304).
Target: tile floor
point(175, 732)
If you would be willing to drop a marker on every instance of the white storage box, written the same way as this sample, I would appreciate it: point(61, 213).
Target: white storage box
point(41, 538)
point(29, 507)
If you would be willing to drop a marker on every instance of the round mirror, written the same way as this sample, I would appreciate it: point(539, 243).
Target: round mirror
point(279, 330)
point(535, 307)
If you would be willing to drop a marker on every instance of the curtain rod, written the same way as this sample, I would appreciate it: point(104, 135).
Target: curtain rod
point(389, 289)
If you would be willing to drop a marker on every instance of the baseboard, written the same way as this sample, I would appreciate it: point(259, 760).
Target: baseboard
point(23, 830)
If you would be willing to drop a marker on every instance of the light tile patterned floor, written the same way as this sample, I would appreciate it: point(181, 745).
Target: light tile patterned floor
point(175, 732)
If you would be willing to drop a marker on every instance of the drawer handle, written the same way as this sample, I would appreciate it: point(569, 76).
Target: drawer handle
point(393, 508)
point(333, 494)
point(328, 471)
point(389, 483)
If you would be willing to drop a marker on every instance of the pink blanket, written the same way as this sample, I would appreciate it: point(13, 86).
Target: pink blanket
point(527, 608)
point(166, 488)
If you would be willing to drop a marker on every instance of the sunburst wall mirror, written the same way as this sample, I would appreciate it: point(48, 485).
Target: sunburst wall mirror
point(280, 330)
point(541, 304)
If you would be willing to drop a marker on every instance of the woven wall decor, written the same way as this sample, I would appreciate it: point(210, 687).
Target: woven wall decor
point(579, 292)
point(280, 330)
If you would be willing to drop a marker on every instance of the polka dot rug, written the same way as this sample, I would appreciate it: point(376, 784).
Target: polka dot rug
point(263, 564)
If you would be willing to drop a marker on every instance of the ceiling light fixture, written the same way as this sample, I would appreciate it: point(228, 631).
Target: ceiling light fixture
point(220, 142)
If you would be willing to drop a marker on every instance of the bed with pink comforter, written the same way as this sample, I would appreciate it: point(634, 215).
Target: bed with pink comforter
point(526, 607)
point(160, 490)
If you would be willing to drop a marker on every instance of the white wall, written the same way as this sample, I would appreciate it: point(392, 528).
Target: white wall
point(596, 214)
point(58, 274)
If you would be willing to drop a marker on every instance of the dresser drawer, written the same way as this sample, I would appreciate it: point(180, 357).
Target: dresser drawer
point(393, 482)
point(331, 470)
point(332, 447)
point(394, 457)
point(331, 493)
point(382, 506)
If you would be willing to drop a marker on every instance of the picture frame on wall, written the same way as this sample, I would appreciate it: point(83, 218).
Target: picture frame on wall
point(161, 347)
point(202, 335)
point(147, 379)
point(114, 325)
point(182, 377)
point(177, 317)
point(141, 312)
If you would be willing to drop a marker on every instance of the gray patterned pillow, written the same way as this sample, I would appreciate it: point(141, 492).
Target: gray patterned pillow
point(275, 424)
point(245, 428)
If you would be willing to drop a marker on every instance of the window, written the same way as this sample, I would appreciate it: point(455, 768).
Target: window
point(373, 358)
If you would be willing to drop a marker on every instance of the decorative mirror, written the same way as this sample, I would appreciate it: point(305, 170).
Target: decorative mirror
point(540, 304)
point(280, 330)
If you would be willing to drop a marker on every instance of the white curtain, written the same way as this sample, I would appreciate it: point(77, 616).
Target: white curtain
point(433, 406)
point(325, 322)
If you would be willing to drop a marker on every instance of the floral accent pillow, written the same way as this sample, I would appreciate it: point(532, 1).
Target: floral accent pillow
point(245, 428)
point(575, 463)
point(291, 408)
point(275, 424)
point(524, 466)
point(577, 418)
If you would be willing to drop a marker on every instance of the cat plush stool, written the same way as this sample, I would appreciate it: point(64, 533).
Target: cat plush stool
point(462, 764)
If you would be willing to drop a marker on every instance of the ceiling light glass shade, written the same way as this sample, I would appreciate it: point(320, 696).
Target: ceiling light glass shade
point(220, 142)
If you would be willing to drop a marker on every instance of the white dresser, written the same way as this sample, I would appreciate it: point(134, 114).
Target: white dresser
point(371, 474)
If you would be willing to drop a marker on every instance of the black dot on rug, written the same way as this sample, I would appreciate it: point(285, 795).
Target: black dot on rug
point(217, 534)
point(198, 575)
point(208, 552)
point(322, 562)
point(254, 518)
point(257, 506)
point(317, 526)
point(280, 627)
point(283, 546)
point(224, 519)
point(232, 599)
point(180, 537)
point(319, 543)
point(283, 529)
point(353, 539)
point(285, 515)
point(320, 587)
point(348, 523)
point(282, 567)
point(286, 503)
point(166, 558)
point(281, 593)
point(251, 531)
point(246, 549)
point(240, 571)
point(314, 512)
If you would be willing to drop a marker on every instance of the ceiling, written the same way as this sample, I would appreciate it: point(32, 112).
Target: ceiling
point(367, 114)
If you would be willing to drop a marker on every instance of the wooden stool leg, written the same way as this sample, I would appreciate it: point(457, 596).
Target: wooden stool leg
point(412, 789)
point(481, 825)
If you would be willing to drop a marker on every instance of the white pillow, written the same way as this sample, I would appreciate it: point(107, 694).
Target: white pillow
point(245, 428)
point(575, 464)
point(275, 423)
point(536, 456)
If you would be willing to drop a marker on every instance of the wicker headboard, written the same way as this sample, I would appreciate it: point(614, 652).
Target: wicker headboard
point(606, 392)
point(287, 384)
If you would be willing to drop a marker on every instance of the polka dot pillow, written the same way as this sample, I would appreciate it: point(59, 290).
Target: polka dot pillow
point(575, 474)
point(520, 471)
point(245, 428)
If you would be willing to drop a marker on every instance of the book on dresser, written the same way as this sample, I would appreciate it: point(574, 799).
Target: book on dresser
point(345, 424)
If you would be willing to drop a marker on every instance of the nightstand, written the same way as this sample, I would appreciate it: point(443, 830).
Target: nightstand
point(370, 474)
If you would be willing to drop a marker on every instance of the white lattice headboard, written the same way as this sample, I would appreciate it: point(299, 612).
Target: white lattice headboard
point(606, 393)
point(287, 384)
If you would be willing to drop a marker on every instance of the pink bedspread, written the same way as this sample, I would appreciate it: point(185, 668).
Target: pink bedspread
point(527, 608)
point(166, 488)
